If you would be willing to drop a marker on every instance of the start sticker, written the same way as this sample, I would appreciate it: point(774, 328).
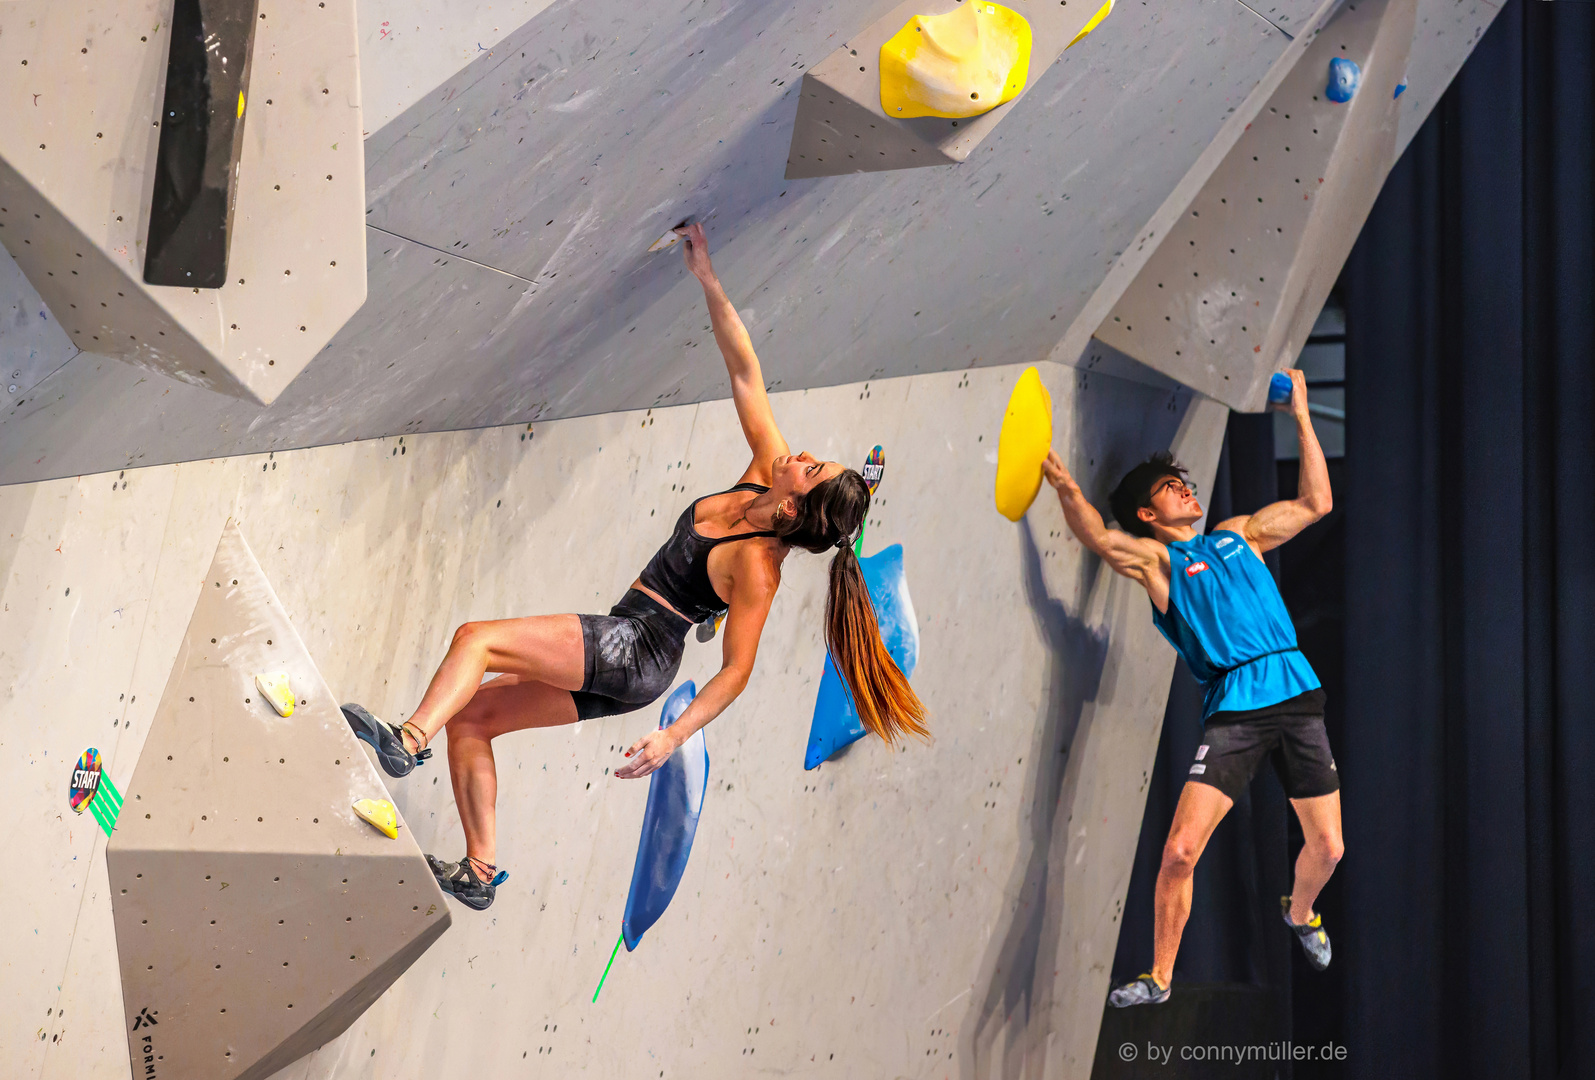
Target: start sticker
point(85, 780)
point(91, 789)
point(874, 468)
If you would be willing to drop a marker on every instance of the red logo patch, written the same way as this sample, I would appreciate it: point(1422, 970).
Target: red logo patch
point(1195, 568)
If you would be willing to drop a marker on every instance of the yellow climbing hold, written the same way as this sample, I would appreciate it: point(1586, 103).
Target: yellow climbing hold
point(382, 814)
point(963, 63)
point(240, 104)
point(1023, 445)
point(275, 688)
point(1102, 13)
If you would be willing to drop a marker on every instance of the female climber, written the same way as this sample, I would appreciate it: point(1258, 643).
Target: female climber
point(724, 556)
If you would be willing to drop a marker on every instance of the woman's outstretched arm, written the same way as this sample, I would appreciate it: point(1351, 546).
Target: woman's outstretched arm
point(742, 363)
point(753, 586)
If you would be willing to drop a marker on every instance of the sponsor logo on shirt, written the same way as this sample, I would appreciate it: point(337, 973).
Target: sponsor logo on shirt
point(1224, 541)
point(1195, 568)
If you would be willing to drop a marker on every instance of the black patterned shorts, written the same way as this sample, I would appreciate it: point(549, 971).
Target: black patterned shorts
point(630, 656)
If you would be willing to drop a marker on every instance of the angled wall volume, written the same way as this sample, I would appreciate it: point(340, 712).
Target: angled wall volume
point(78, 170)
point(256, 915)
point(1231, 293)
point(842, 126)
point(202, 128)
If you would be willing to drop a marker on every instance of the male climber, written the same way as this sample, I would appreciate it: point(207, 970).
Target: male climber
point(1216, 603)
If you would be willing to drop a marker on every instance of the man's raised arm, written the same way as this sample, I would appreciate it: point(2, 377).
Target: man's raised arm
point(1277, 522)
point(1129, 555)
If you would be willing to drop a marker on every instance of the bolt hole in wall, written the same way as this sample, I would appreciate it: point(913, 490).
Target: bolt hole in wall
point(1323, 361)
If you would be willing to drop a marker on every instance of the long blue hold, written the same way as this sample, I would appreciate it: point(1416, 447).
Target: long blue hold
point(836, 722)
point(675, 799)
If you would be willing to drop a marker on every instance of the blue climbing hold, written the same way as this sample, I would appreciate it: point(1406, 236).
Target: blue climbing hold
point(836, 723)
point(675, 799)
point(1344, 77)
point(1401, 86)
point(1280, 389)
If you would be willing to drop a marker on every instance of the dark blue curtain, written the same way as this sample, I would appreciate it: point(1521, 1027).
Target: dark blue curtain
point(1469, 745)
point(1448, 605)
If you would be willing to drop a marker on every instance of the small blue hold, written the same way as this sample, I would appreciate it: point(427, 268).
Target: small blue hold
point(1401, 86)
point(1280, 389)
point(1344, 76)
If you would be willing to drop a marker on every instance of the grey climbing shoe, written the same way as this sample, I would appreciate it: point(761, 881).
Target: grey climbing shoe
point(1314, 940)
point(1143, 991)
point(460, 881)
point(385, 739)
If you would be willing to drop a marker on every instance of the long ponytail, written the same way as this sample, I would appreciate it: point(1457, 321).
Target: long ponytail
point(885, 702)
point(828, 517)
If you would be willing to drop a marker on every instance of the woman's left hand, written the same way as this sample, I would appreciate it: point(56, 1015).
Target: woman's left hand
point(695, 251)
point(647, 754)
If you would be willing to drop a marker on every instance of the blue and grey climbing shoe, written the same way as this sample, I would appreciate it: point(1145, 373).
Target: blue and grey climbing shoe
point(386, 740)
point(1145, 990)
point(459, 880)
point(1314, 941)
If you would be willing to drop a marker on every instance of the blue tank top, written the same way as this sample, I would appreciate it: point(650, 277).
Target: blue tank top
point(1228, 622)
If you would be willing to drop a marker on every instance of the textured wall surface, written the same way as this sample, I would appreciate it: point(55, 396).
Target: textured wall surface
point(946, 910)
point(511, 206)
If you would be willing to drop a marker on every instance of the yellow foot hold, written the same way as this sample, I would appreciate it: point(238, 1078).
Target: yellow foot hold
point(382, 814)
point(275, 688)
point(1023, 445)
point(963, 63)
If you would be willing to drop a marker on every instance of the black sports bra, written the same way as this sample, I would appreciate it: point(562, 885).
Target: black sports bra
point(679, 571)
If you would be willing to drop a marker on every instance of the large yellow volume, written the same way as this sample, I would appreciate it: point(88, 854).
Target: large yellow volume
point(963, 63)
point(1023, 445)
point(1102, 13)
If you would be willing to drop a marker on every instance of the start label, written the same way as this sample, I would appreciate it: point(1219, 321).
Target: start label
point(85, 780)
point(93, 791)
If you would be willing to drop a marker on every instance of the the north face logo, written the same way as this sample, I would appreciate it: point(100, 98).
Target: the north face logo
point(1195, 568)
point(145, 1018)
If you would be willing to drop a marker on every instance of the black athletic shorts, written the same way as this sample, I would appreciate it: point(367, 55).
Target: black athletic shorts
point(1291, 732)
point(630, 656)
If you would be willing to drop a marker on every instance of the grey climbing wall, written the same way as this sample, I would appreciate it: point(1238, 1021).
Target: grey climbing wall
point(256, 916)
point(1233, 288)
point(511, 207)
point(950, 908)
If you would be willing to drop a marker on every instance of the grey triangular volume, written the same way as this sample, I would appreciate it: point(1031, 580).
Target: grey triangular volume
point(256, 915)
point(834, 135)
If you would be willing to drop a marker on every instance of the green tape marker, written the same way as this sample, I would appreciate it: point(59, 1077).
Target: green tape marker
point(107, 804)
point(607, 966)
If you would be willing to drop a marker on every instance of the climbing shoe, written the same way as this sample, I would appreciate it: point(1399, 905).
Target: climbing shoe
point(386, 740)
point(460, 880)
point(1143, 991)
point(1314, 941)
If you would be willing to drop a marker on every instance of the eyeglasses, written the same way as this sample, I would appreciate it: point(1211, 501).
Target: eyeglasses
point(1176, 485)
